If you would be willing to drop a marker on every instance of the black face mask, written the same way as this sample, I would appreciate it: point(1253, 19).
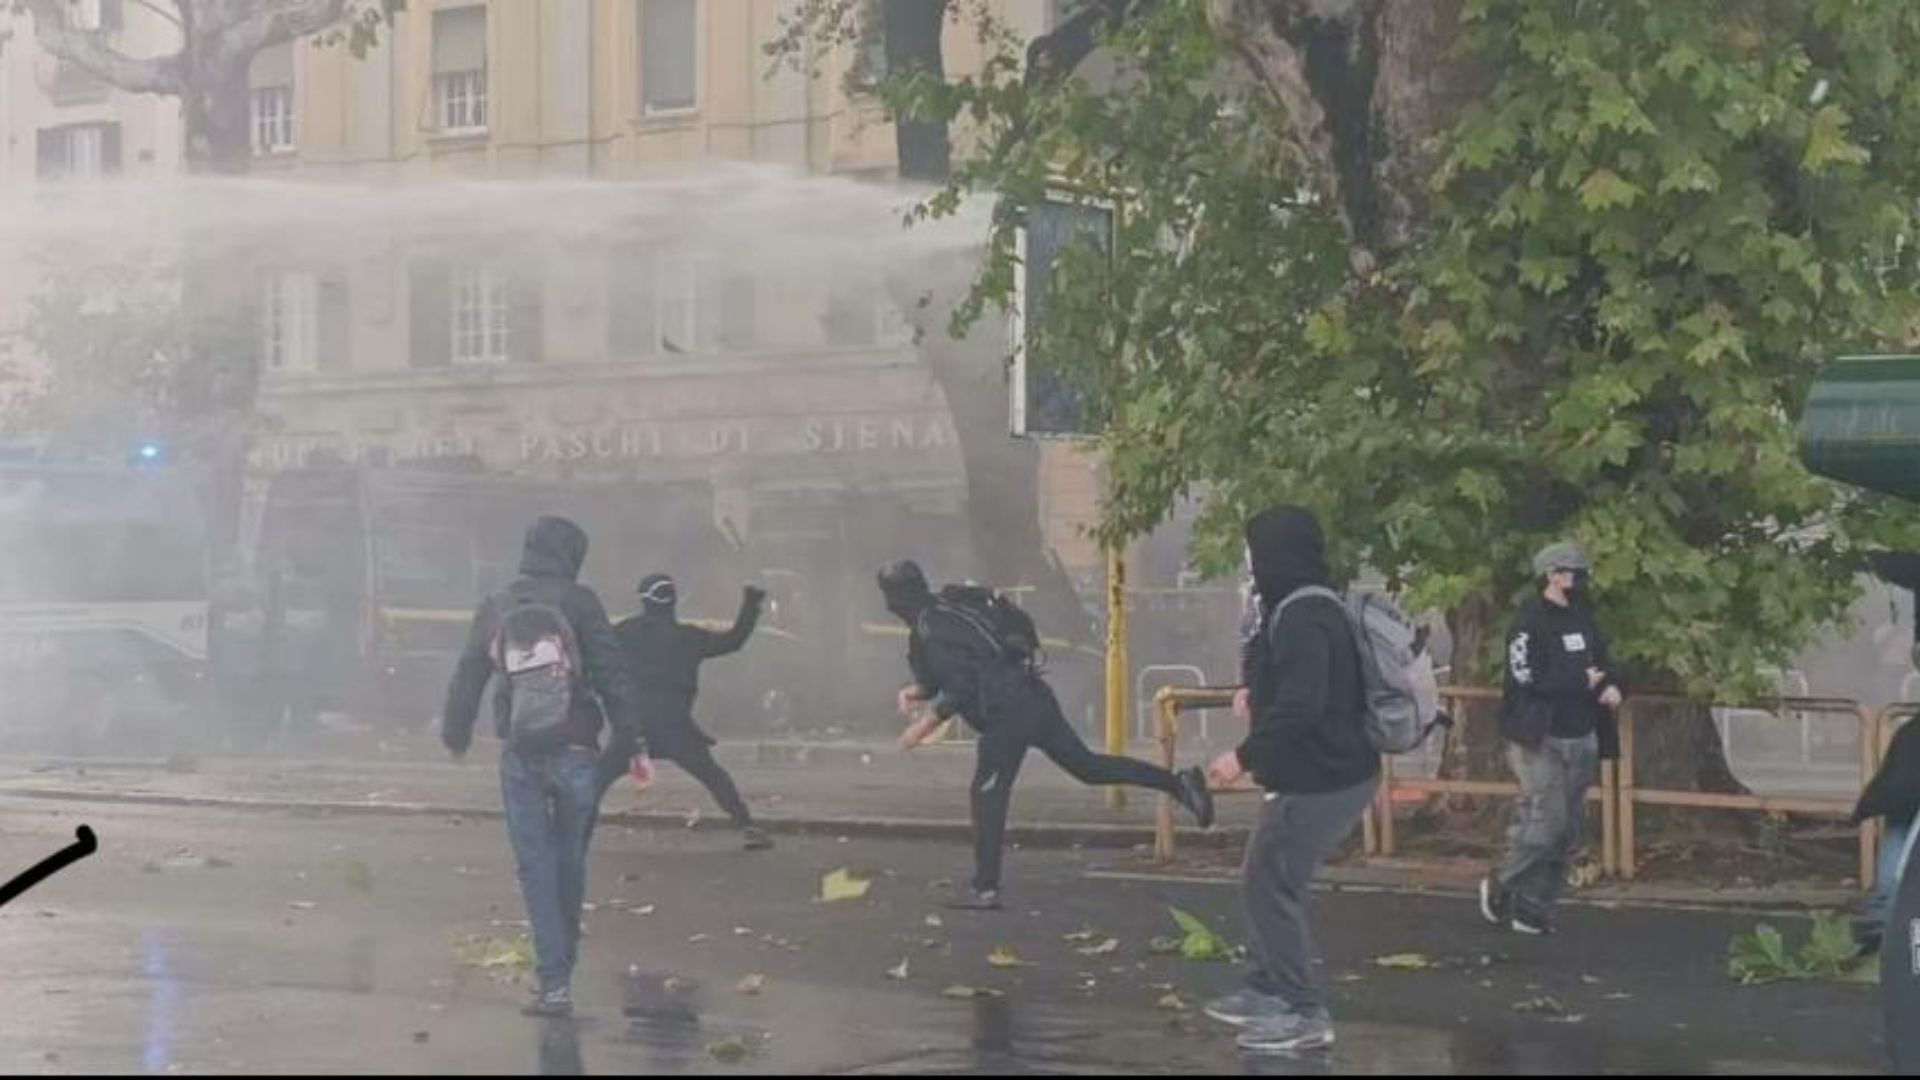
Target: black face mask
point(1582, 581)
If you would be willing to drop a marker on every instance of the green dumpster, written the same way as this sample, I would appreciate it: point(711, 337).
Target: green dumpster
point(1862, 424)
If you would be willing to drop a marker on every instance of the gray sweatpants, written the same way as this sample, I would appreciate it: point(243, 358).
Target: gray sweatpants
point(1549, 818)
point(1295, 834)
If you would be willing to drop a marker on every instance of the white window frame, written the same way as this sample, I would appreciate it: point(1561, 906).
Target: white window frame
point(289, 323)
point(273, 130)
point(480, 312)
point(460, 101)
point(647, 108)
point(676, 301)
point(76, 165)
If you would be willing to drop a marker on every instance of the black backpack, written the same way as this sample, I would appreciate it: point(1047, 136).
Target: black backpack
point(1008, 630)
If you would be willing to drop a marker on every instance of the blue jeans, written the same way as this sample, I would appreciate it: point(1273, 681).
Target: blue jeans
point(1549, 818)
point(1893, 854)
point(551, 800)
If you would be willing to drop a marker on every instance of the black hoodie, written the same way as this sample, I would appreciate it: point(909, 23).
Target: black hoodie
point(555, 550)
point(1894, 793)
point(1303, 670)
point(664, 656)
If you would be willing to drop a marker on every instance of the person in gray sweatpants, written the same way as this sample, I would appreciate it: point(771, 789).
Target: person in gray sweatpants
point(1307, 746)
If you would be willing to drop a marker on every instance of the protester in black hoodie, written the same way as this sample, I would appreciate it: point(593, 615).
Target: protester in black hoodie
point(552, 794)
point(1557, 718)
point(1894, 797)
point(960, 670)
point(665, 655)
point(1308, 748)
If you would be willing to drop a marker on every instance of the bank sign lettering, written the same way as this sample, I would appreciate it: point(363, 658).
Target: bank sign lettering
point(817, 436)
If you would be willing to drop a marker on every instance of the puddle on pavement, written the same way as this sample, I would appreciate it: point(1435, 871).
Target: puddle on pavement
point(666, 1016)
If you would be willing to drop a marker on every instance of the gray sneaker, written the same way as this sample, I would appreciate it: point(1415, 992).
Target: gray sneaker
point(1246, 1008)
point(551, 1005)
point(1293, 1033)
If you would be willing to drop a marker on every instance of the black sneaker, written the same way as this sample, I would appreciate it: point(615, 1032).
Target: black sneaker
point(1199, 798)
point(1530, 921)
point(976, 900)
point(755, 840)
point(551, 1005)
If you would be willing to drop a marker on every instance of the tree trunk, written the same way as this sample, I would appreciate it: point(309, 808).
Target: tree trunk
point(913, 31)
point(1677, 747)
point(1474, 748)
point(214, 115)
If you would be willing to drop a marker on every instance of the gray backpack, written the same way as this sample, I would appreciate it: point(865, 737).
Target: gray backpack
point(536, 651)
point(1396, 672)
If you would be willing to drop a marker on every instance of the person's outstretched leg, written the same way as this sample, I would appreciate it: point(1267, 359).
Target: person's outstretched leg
point(1054, 737)
point(996, 767)
point(698, 761)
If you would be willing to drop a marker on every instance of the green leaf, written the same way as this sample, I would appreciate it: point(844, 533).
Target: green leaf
point(1604, 189)
point(1827, 142)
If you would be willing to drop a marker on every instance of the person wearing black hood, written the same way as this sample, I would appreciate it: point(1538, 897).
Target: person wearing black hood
point(1308, 749)
point(1557, 719)
point(1893, 796)
point(665, 655)
point(959, 669)
point(551, 787)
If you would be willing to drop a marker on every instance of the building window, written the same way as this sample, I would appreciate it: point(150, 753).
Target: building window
point(271, 80)
point(460, 69)
point(78, 150)
point(870, 63)
point(103, 16)
point(481, 316)
point(289, 330)
point(669, 55)
point(273, 120)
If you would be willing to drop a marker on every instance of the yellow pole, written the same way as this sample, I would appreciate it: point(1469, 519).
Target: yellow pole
point(1116, 665)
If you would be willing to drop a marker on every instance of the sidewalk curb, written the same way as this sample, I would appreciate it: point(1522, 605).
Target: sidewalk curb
point(1091, 835)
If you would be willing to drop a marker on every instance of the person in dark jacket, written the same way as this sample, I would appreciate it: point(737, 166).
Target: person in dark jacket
point(958, 670)
point(1557, 718)
point(551, 794)
point(1893, 796)
point(1307, 747)
point(664, 655)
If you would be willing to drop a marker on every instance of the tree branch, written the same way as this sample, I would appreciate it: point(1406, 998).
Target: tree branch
point(171, 16)
point(270, 22)
point(1254, 30)
point(89, 50)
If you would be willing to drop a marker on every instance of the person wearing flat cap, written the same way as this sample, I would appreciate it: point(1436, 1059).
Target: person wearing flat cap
point(1558, 720)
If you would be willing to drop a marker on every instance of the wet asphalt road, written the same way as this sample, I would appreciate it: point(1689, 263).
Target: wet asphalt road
point(204, 941)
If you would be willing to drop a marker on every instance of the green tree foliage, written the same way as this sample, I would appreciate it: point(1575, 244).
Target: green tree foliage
point(1595, 314)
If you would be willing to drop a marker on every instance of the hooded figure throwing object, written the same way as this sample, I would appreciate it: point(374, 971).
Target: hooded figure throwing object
point(665, 655)
point(960, 668)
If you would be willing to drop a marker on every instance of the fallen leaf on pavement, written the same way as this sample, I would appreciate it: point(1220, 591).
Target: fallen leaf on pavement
point(727, 1051)
point(647, 910)
point(970, 993)
point(1171, 1003)
point(1004, 957)
point(1412, 961)
point(1105, 948)
point(898, 972)
point(1590, 980)
point(743, 931)
point(302, 905)
point(1082, 937)
point(753, 984)
point(1545, 1005)
point(842, 885)
point(698, 938)
point(1349, 977)
point(935, 922)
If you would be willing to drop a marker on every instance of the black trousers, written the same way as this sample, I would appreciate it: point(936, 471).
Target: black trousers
point(696, 758)
point(1030, 719)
